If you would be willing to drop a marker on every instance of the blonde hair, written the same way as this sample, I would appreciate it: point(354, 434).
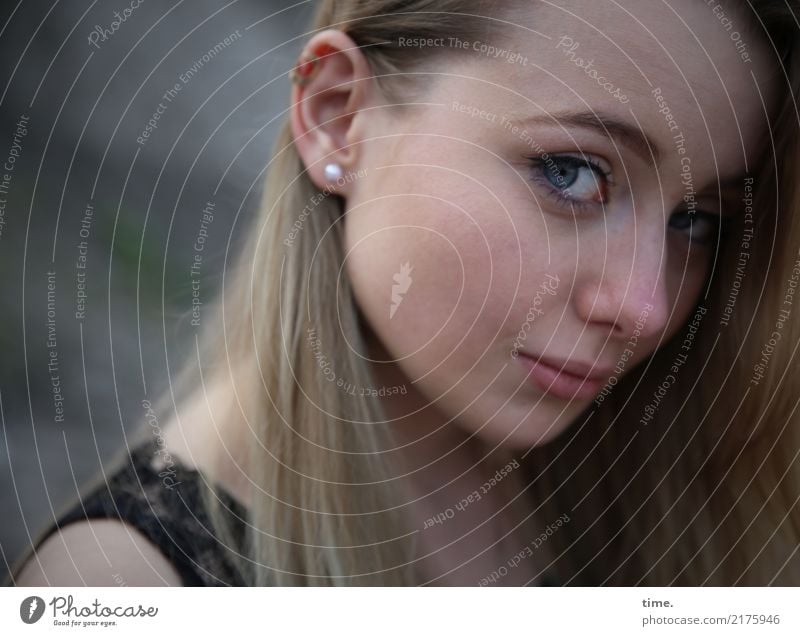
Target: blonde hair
point(704, 493)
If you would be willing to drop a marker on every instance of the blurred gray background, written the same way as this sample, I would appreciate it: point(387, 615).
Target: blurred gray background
point(79, 83)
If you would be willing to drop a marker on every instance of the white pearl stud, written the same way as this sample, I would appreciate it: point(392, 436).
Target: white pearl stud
point(333, 172)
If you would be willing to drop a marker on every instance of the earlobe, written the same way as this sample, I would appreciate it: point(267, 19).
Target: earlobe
point(330, 84)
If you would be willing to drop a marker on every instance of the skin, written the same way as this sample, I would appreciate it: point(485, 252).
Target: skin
point(450, 194)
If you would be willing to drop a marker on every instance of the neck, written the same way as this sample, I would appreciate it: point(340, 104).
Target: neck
point(443, 471)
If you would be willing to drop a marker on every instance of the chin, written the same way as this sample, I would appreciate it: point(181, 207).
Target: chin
point(516, 431)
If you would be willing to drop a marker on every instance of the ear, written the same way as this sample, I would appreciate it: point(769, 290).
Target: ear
point(324, 110)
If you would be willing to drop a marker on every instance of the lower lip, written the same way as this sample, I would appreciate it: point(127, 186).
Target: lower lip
point(558, 383)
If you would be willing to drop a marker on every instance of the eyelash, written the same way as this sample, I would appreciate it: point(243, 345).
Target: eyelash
point(537, 162)
point(721, 229)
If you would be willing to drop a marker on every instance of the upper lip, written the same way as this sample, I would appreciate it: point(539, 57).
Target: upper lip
point(581, 369)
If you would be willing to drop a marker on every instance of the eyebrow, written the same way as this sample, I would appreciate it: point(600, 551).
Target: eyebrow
point(607, 125)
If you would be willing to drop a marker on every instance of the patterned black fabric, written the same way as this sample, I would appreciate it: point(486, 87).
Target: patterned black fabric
point(166, 507)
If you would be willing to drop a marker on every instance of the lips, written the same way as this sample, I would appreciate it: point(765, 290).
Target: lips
point(567, 380)
point(580, 370)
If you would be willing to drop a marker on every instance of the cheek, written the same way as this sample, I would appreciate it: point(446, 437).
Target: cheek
point(438, 276)
point(687, 280)
point(408, 281)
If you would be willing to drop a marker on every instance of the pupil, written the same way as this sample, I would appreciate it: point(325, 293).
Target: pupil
point(682, 221)
point(563, 176)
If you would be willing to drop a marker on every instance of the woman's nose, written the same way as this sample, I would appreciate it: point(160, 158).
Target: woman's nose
point(624, 287)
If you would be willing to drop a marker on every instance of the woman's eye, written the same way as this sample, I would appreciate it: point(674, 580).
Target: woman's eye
point(700, 227)
point(573, 181)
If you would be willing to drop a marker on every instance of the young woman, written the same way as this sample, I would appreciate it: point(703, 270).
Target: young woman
point(517, 310)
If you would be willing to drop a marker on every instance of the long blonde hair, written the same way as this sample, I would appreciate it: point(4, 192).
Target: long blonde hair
point(702, 493)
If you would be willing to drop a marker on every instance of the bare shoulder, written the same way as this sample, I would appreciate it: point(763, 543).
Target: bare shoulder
point(98, 552)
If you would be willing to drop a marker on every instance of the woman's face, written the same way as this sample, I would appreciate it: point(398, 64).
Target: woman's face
point(498, 222)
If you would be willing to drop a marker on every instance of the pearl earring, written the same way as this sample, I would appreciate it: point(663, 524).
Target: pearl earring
point(333, 172)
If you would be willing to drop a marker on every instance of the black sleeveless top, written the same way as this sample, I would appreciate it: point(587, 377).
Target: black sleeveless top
point(166, 507)
point(164, 504)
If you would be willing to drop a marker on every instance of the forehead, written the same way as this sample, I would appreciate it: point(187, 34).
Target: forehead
point(683, 67)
